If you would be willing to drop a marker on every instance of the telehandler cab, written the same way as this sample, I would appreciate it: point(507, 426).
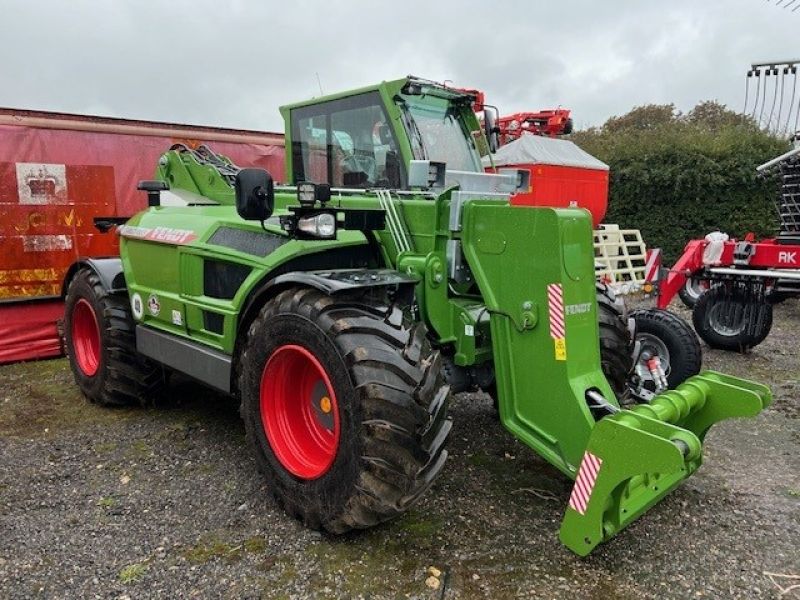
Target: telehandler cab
point(342, 308)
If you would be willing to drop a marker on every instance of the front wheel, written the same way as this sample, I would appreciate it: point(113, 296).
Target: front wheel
point(344, 406)
point(664, 334)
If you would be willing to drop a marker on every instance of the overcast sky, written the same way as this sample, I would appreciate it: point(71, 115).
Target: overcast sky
point(233, 63)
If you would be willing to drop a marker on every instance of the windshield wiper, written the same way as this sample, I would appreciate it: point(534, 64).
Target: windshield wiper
point(411, 127)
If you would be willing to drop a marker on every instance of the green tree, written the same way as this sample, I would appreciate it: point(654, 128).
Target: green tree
point(643, 118)
point(679, 176)
point(716, 116)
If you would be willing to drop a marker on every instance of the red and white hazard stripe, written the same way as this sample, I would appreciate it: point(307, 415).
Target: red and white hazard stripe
point(652, 265)
point(555, 303)
point(584, 483)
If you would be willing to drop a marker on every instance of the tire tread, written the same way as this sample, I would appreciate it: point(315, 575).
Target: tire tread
point(397, 378)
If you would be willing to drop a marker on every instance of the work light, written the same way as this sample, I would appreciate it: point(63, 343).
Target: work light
point(322, 225)
point(306, 194)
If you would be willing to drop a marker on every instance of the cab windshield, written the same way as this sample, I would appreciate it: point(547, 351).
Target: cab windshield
point(436, 123)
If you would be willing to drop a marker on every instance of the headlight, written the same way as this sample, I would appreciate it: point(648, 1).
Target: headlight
point(322, 225)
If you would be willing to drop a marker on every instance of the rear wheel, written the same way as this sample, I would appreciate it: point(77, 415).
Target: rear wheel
point(344, 405)
point(732, 319)
point(666, 335)
point(101, 345)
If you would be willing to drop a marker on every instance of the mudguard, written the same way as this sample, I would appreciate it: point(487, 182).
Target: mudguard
point(108, 270)
point(337, 281)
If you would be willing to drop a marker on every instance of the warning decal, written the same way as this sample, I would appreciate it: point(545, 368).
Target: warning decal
point(584, 483)
point(558, 331)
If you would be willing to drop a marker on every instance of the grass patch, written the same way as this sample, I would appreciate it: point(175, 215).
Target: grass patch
point(41, 397)
point(107, 502)
point(373, 560)
point(139, 448)
point(104, 447)
point(132, 573)
point(255, 545)
point(211, 550)
point(215, 548)
point(418, 526)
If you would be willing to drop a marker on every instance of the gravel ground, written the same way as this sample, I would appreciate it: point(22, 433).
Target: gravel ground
point(166, 502)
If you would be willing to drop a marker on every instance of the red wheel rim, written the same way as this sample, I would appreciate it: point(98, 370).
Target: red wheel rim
point(299, 412)
point(85, 337)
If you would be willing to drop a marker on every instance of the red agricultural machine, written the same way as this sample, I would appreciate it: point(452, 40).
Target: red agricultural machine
point(732, 284)
point(548, 122)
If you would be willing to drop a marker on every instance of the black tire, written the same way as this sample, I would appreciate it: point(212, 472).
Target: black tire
point(123, 376)
point(691, 291)
point(731, 319)
point(616, 344)
point(684, 356)
point(392, 406)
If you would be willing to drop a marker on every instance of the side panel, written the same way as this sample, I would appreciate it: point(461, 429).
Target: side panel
point(204, 364)
point(190, 270)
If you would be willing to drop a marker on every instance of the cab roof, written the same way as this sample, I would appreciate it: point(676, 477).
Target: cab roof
point(409, 85)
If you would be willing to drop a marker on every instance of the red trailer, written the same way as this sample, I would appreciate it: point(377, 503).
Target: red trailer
point(58, 172)
point(561, 174)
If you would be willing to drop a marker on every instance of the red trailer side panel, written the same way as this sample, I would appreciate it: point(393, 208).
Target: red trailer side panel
point(28, 330)
point(558, 186)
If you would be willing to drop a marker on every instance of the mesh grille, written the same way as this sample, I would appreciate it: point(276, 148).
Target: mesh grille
point(789, 196)
point(257, 243)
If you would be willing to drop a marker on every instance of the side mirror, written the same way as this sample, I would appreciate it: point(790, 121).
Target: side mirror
point(490, 124)
point(255, 194)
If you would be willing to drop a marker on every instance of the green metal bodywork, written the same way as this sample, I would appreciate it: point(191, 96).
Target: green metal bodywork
point(502, 316)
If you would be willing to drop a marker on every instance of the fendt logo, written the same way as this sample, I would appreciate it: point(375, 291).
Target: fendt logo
point(787, 257)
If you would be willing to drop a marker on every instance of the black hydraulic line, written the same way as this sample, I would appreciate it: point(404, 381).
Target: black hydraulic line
point(774, 99)
point(757, 73)
point(780, 104)
point(763, 96)
point(791, 102)
point(746, 91)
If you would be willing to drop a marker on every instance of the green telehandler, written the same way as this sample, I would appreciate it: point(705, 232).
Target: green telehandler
point(343, 308)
